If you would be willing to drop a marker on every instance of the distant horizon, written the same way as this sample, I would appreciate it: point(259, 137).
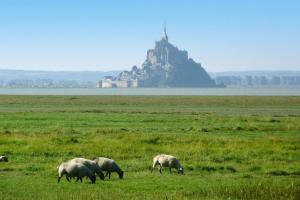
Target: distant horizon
point(57, 79)
point(42, 70)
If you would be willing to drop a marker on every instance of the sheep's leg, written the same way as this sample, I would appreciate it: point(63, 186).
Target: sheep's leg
point(80, 180)
point(106, 174)
point(170, 170)
point(67, 178)
point(109, 173)
point(160, 168)
point(77, 179)
point(58, 180)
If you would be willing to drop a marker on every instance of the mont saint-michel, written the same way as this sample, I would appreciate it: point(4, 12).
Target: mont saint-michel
point(165, 66)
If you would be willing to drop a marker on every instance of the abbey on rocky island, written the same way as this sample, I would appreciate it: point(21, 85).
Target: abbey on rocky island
point(165, 66)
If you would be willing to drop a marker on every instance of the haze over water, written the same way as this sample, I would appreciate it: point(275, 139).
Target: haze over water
point(153, 91)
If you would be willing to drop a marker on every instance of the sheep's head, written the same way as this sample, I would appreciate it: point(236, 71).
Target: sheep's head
point(180, 170)
point(93, 178)
point(121, 174)
point(101, 175)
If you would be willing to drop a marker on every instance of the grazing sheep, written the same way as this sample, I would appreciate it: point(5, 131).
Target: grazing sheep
point(72, 170)
point(109, 166)
point(3, 159)
point(164, 160)
point(92, 165)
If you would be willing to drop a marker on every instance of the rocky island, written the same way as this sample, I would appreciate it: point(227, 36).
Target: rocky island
point(165, 66)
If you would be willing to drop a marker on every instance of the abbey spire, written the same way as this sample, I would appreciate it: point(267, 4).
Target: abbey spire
point(165, 35)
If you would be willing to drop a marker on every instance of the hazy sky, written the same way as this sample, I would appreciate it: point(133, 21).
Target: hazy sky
point(115, 34)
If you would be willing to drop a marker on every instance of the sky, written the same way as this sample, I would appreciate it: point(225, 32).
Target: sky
point(231, 35)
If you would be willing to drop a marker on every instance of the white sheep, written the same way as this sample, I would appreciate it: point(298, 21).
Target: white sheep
point(92, 165)
point(75, 170)
point(3, 159)
point(109, 166)
point(164, 160)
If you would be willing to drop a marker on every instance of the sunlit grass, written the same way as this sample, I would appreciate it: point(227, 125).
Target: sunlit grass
point(231, 147)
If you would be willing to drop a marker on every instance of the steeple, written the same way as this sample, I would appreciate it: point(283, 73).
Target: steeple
point(165, 35)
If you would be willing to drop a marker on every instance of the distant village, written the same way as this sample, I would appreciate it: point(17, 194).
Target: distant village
point(111, 82)
point(228, 81)
point(267, 80)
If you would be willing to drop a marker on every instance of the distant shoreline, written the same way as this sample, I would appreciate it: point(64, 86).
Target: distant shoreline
point(154, 91)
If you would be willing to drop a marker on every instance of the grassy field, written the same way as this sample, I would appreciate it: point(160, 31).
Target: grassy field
point(231, 147)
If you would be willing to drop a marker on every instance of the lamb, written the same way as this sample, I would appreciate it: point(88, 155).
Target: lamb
point(3, 159)
point(72, 170)
point(109, 166)
point(92, 165)
point(164, 160)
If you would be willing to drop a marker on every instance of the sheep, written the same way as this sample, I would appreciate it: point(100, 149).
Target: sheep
point(3, 159)
point(92, 165)
point(109, 166)
point(72, 170)
point(164, 160)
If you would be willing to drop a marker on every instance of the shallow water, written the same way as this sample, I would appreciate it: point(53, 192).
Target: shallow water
point(153, 91)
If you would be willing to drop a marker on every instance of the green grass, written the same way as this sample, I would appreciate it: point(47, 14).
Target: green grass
point(231, 147)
